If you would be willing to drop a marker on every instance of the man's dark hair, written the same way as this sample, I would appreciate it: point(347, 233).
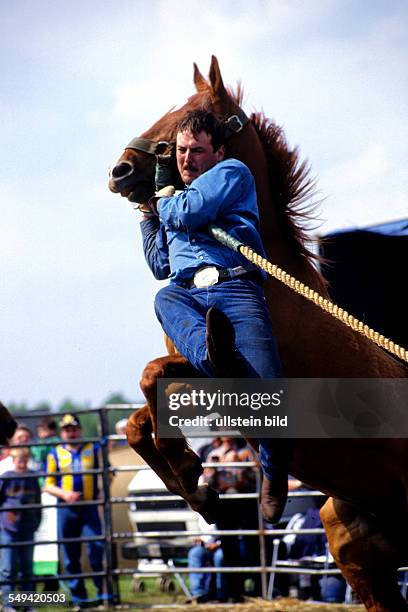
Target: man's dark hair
point(197, 121)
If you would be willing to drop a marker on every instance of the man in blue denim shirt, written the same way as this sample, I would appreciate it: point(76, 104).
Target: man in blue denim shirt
point(214, 309)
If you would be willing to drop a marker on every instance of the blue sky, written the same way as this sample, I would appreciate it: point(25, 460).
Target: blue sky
point(79, 79)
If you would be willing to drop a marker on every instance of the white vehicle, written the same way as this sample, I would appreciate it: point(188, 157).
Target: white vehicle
point(160, 515)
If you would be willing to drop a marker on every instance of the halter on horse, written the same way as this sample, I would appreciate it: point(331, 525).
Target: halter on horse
point(365, 539)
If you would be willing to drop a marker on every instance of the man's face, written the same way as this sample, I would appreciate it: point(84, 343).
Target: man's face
point(195, 155)
point(71, 433)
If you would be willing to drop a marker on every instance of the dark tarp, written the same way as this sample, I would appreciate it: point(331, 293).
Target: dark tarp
point(367, 272)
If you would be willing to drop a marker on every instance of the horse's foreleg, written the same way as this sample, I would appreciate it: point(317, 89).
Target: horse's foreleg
point(139, 434)
point(365, 556)
point(183, 461)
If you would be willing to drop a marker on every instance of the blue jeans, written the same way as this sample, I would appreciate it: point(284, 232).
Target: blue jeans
point(182, 312)
point(74, 522)
point(199, 556)
point(16, 561)
point(333, 589)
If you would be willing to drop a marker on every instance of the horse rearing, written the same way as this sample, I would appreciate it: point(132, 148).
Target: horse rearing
point(366, 540)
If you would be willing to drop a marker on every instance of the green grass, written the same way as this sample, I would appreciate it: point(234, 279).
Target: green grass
point(151, 594)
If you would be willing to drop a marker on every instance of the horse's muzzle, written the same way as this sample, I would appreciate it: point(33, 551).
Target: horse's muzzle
point(121, 176)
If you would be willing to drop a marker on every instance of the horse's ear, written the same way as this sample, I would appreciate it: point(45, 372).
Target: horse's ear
point(216, 82)
point(199, 81)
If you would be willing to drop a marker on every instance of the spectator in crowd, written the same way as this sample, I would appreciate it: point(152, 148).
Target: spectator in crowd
point(227, 450)
point(237, 513)
point(46, 432)
point(205, 450)
point(293, 518)
point(311, 545)
point(22, 436)
point(76, 519)
point(206, 552)
point(18, 525)
point(231, 479)
point(120, 430)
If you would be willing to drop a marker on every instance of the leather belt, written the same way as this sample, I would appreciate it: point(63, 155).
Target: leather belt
point(211, 275)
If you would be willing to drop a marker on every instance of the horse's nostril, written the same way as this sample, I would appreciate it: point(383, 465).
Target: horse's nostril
point(121, 170)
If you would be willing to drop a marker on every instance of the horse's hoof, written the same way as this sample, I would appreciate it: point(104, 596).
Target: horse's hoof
point(208, 504)
point(8, 429)
point(8, 425)
point(189, 480)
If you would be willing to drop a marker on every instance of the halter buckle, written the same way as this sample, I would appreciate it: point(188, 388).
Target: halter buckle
point(234, 123)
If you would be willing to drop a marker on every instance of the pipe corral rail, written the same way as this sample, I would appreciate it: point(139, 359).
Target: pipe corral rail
point(111, 539)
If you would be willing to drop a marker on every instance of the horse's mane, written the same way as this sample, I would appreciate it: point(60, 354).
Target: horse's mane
point(291, 185)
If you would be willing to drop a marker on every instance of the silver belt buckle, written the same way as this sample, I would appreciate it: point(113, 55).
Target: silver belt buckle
point(206, 277)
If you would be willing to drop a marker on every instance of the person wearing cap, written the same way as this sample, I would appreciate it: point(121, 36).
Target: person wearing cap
point(76, 519)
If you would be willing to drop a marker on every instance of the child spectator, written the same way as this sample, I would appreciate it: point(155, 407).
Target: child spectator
point(22, 435)
point(47, 433)
point(18, 525)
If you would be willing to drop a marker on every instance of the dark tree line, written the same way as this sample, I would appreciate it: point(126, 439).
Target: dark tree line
point(89, 421)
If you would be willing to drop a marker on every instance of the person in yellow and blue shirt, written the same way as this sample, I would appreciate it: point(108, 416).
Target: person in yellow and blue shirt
point(76, 520)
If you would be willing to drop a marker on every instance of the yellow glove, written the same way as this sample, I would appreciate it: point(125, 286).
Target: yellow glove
point(165, 192)
point(150, 208)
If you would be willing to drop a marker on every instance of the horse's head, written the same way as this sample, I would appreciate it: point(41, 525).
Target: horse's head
point(133, 175)
point(282, 182)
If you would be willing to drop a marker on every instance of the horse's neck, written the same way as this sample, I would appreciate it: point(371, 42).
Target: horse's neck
point(310, 342)
point(280, 250)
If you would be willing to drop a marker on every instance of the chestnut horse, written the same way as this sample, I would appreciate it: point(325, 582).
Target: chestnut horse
point(366, 517)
